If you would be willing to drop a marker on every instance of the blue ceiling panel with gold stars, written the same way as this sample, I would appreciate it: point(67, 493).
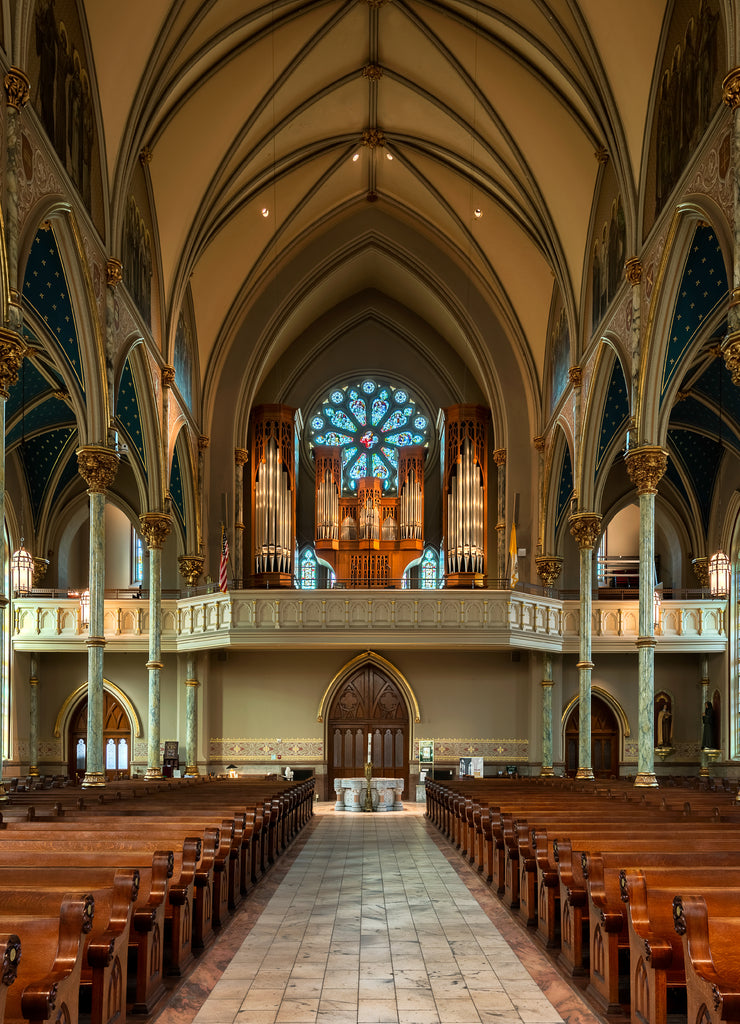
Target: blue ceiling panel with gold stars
point(176, 489)
point(716, 388)
point(45, 290)
point(700, 458)
point(616, 411)
point(39, 457)
point(32, 385)
point(128, 411)
point(68, 474)
point(691, 414)
point(703, 287)
point(51, 413)
point(566, 484)
point(676, 479)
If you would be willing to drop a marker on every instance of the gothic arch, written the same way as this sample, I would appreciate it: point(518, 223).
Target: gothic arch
point(370, 658)
point(61, 725)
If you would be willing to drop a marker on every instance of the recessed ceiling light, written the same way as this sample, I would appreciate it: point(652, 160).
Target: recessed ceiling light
point(355, 158)
point(265, 212)
point(389, 156)
point(478, 213)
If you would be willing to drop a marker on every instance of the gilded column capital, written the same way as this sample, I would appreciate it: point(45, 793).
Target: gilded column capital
point(12, 351)
point(155, 526)
point(17, 88)
point(499, 457)
point(203, 442)
point(373, 72)
point(539, 443)
point(585, 528)
point(97, 466)
point(241, 456)
point(372, 137)
point(701, 571)
point(645, 466)
point(633, 270)
point(113, 272)
point(575, 376)
point(190, 568)
point(549, 568)
point(731, 89)
point(731, 355)
point(168, 376)
point(40, 565)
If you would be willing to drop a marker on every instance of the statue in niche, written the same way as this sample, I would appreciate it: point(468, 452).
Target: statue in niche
point(707, 727)
point(663, 720)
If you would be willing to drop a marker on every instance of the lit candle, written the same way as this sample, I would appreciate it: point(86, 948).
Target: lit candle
point(369, 741)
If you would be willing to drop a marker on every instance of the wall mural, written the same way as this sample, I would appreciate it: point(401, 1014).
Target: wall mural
point(63, 97)
point(608, 263)
point(687, 98)
point(184, 361)
point(559, 359)
point(137, 260)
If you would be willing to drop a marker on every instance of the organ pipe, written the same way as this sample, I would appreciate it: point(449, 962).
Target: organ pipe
point(273, 490)
point(465, 494)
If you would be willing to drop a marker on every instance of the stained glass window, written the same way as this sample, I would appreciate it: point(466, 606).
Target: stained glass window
point(369, 420)
point(308, 570)
point(428, 570)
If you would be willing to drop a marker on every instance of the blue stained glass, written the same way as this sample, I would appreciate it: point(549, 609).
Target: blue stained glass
point(333, 438)
point(408, 411)
point(384, 393)
point(337, 397)
point(341, 419)
point(368, 386)
point(380, 470)
point(317, 423)
point(353, 393)
point(391, 454)
point(347, 455)
point(420, 422)
point(404, 438)
point(359, 412)
point(380, 408)
point(396, 419)
point(400, 397)
point(360, 468)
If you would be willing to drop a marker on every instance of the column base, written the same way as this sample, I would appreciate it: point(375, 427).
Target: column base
point(704, 772)
point(645, 780)
point(191, 771)
point(585, 773)
point(33, 771)
point(546, 772)
point(93, 779)
point(153, 773)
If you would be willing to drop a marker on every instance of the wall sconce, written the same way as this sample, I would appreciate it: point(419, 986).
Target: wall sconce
point(85, 607)
point(719, 575)
point(21, 570)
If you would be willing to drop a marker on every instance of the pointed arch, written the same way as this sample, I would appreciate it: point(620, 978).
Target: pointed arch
point(184, 494)
point(559, 455)
point(61, 725)
point(370, 658)
point(610, 700)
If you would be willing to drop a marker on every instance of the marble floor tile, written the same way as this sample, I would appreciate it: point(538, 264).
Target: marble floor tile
point(368, 919)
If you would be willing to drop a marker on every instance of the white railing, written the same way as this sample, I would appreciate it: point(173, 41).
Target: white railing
point(483, 619)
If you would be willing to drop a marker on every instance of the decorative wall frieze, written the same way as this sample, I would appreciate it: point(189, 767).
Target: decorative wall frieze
point(265, 749)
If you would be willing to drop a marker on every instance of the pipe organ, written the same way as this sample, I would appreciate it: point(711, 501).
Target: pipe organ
point(369, 537)
point(464, 505)
point(273, 471)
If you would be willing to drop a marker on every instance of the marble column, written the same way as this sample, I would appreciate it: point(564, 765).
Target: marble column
point(731, 344)
point(704, 684)
point(97, 466)
point(499, 457)
point(547, 768)
point(17, 93)
point(191, 720)
point(33, 717)
point(575, 379)
point(113, 277)
point(645, 466)
point(155, 526)
point(539, 447)
point(585, 528)
point(633, 273)
point(241, 456)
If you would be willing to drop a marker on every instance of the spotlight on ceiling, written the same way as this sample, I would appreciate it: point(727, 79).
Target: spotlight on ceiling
point(265, 212)
point(478, 213)
point(355, 158)
point(389, 156)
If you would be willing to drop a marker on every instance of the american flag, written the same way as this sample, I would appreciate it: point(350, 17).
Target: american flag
point(223, 565)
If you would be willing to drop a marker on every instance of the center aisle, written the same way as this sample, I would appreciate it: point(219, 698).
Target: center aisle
point(372, 923)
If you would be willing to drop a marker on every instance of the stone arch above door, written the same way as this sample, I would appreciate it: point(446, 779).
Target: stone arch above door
point(67, 709)
point(385, 666)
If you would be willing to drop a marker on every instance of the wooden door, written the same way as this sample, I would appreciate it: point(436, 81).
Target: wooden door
point(116, 739)
point(368, 706)
point(604, 741)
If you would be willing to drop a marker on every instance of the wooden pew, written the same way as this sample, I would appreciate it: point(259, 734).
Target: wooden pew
point(10, 950)
point(709, 935)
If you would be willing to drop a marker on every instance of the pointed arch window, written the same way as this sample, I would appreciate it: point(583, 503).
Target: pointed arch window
point(429, 570)
point(308, 570)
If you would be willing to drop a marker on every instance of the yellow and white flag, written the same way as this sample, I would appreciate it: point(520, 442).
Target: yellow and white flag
point(513, 559)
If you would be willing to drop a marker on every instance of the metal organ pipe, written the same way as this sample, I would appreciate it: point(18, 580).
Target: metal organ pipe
point(273, 508)
point(465, 506)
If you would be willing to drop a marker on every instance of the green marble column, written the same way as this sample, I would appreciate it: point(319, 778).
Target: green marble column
point(547, 768)
point(155, 526)
point(191, 720)
point(585, 528)
point(33, 717)
point(704, 684)
point(98, 467)
point(645, 466)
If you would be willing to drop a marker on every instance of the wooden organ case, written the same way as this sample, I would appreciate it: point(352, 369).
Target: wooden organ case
point(369, 537)
point(273, 495)
point(465, 495)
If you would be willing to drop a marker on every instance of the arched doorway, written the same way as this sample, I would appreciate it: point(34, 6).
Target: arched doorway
point(116, 739)
point(369, 704)
point(604, 740)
